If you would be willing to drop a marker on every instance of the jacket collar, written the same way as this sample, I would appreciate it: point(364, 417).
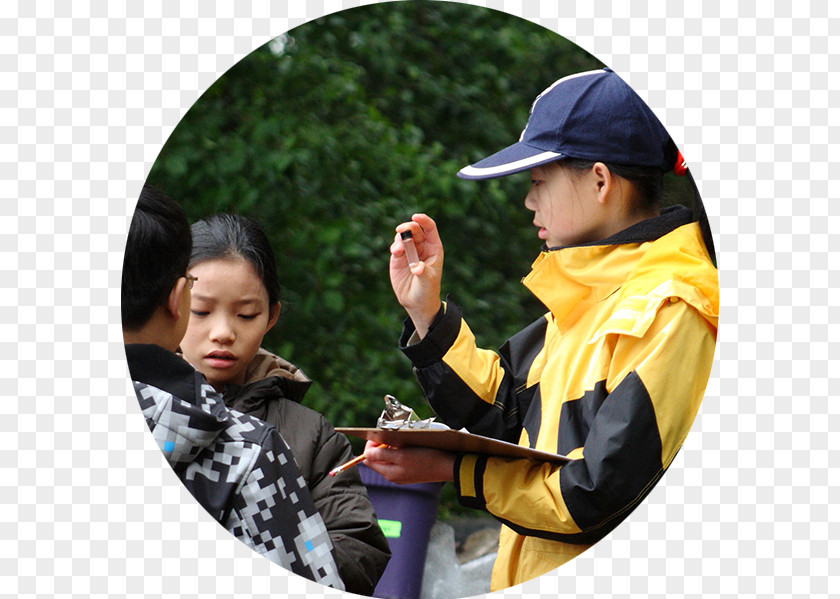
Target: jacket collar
point(161, 368)
point(571, 278)
point(266, 364)
point(268, 377)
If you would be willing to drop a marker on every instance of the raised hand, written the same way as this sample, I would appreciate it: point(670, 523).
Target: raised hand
point(418, 288)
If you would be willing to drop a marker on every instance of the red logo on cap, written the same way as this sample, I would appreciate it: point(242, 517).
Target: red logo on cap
point(680, 167)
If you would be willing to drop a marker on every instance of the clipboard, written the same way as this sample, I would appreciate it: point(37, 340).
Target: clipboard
point(453, 441)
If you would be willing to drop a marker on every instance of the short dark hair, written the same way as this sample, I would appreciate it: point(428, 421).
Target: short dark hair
point(157, 253)
point(227, 236)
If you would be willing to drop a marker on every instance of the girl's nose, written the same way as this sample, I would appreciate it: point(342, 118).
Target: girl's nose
point(222, 331)
point(530, 200)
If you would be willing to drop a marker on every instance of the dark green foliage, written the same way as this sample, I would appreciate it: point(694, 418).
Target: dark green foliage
point(341, 129)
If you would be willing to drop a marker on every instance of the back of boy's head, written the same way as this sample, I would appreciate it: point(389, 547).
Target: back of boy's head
point(157, 253)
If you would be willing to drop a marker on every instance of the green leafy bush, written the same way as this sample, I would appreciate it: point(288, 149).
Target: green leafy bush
point(340, 129)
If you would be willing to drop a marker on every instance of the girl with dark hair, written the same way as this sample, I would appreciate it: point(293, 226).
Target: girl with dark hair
point(612, 375)
point(235, 302)
point(237, 468)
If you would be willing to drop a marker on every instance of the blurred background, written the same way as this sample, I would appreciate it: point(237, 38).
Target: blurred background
point(334, 133)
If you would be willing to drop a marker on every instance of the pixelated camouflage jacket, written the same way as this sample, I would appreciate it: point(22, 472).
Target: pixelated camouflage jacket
point(272, 391)
point(236, 466)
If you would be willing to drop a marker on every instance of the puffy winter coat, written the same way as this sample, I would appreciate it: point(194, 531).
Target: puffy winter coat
point(611, 376)
point(237, 467)
point(272, 392)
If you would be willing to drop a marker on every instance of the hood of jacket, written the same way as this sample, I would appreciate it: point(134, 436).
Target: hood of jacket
point(268, 378)
point(656, 260)
point(181, 408)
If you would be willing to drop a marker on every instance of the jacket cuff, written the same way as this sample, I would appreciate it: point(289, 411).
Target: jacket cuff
point(438, 340)
point(468, 476)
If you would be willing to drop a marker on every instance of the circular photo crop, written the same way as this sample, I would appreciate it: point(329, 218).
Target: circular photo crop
point(418, 272)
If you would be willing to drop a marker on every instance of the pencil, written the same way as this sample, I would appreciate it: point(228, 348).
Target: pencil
point(351, 463)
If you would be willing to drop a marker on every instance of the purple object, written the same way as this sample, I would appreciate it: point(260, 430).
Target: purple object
point(406, 514)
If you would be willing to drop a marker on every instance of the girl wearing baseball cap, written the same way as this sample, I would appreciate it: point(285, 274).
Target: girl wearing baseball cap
point(613, 373)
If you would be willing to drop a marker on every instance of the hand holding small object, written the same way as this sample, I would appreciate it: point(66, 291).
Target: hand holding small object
point(409, 465)
point(351, 463)
point(417, 285)
point(394, 416)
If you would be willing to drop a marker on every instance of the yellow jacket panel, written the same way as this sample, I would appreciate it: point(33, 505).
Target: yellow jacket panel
point(611, 376)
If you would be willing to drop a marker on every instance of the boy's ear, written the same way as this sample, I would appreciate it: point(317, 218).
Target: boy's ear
point(173, 302)
point(273, 315)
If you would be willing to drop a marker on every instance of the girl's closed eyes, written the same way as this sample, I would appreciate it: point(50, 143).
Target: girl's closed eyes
point(233, 305)
point(200, 313)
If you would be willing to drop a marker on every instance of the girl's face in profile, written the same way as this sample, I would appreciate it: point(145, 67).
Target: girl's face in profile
point(229, 316)
point(566, 206)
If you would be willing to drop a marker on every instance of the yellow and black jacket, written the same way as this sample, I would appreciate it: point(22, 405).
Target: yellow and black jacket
point(611, 376)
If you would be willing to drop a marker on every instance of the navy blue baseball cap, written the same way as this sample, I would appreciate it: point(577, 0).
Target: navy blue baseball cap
point(593, 115)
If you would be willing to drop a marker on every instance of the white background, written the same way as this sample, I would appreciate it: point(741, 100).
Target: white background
point(90, 91)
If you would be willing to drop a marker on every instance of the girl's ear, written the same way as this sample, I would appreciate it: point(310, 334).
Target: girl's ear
point(603, 180)
point(273, 315)
point(176, 296)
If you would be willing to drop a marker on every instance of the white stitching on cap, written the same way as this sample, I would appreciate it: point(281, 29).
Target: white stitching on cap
point(517, 165)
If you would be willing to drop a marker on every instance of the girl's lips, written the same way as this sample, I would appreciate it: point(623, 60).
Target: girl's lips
point(220, 360)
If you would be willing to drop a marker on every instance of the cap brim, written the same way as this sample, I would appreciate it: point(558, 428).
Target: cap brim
point(513, 159)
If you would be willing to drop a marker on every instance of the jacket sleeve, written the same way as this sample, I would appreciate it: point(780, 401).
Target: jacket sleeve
point(274, 514)
point(361, 549)
point(480, 390)
point(645, 409)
